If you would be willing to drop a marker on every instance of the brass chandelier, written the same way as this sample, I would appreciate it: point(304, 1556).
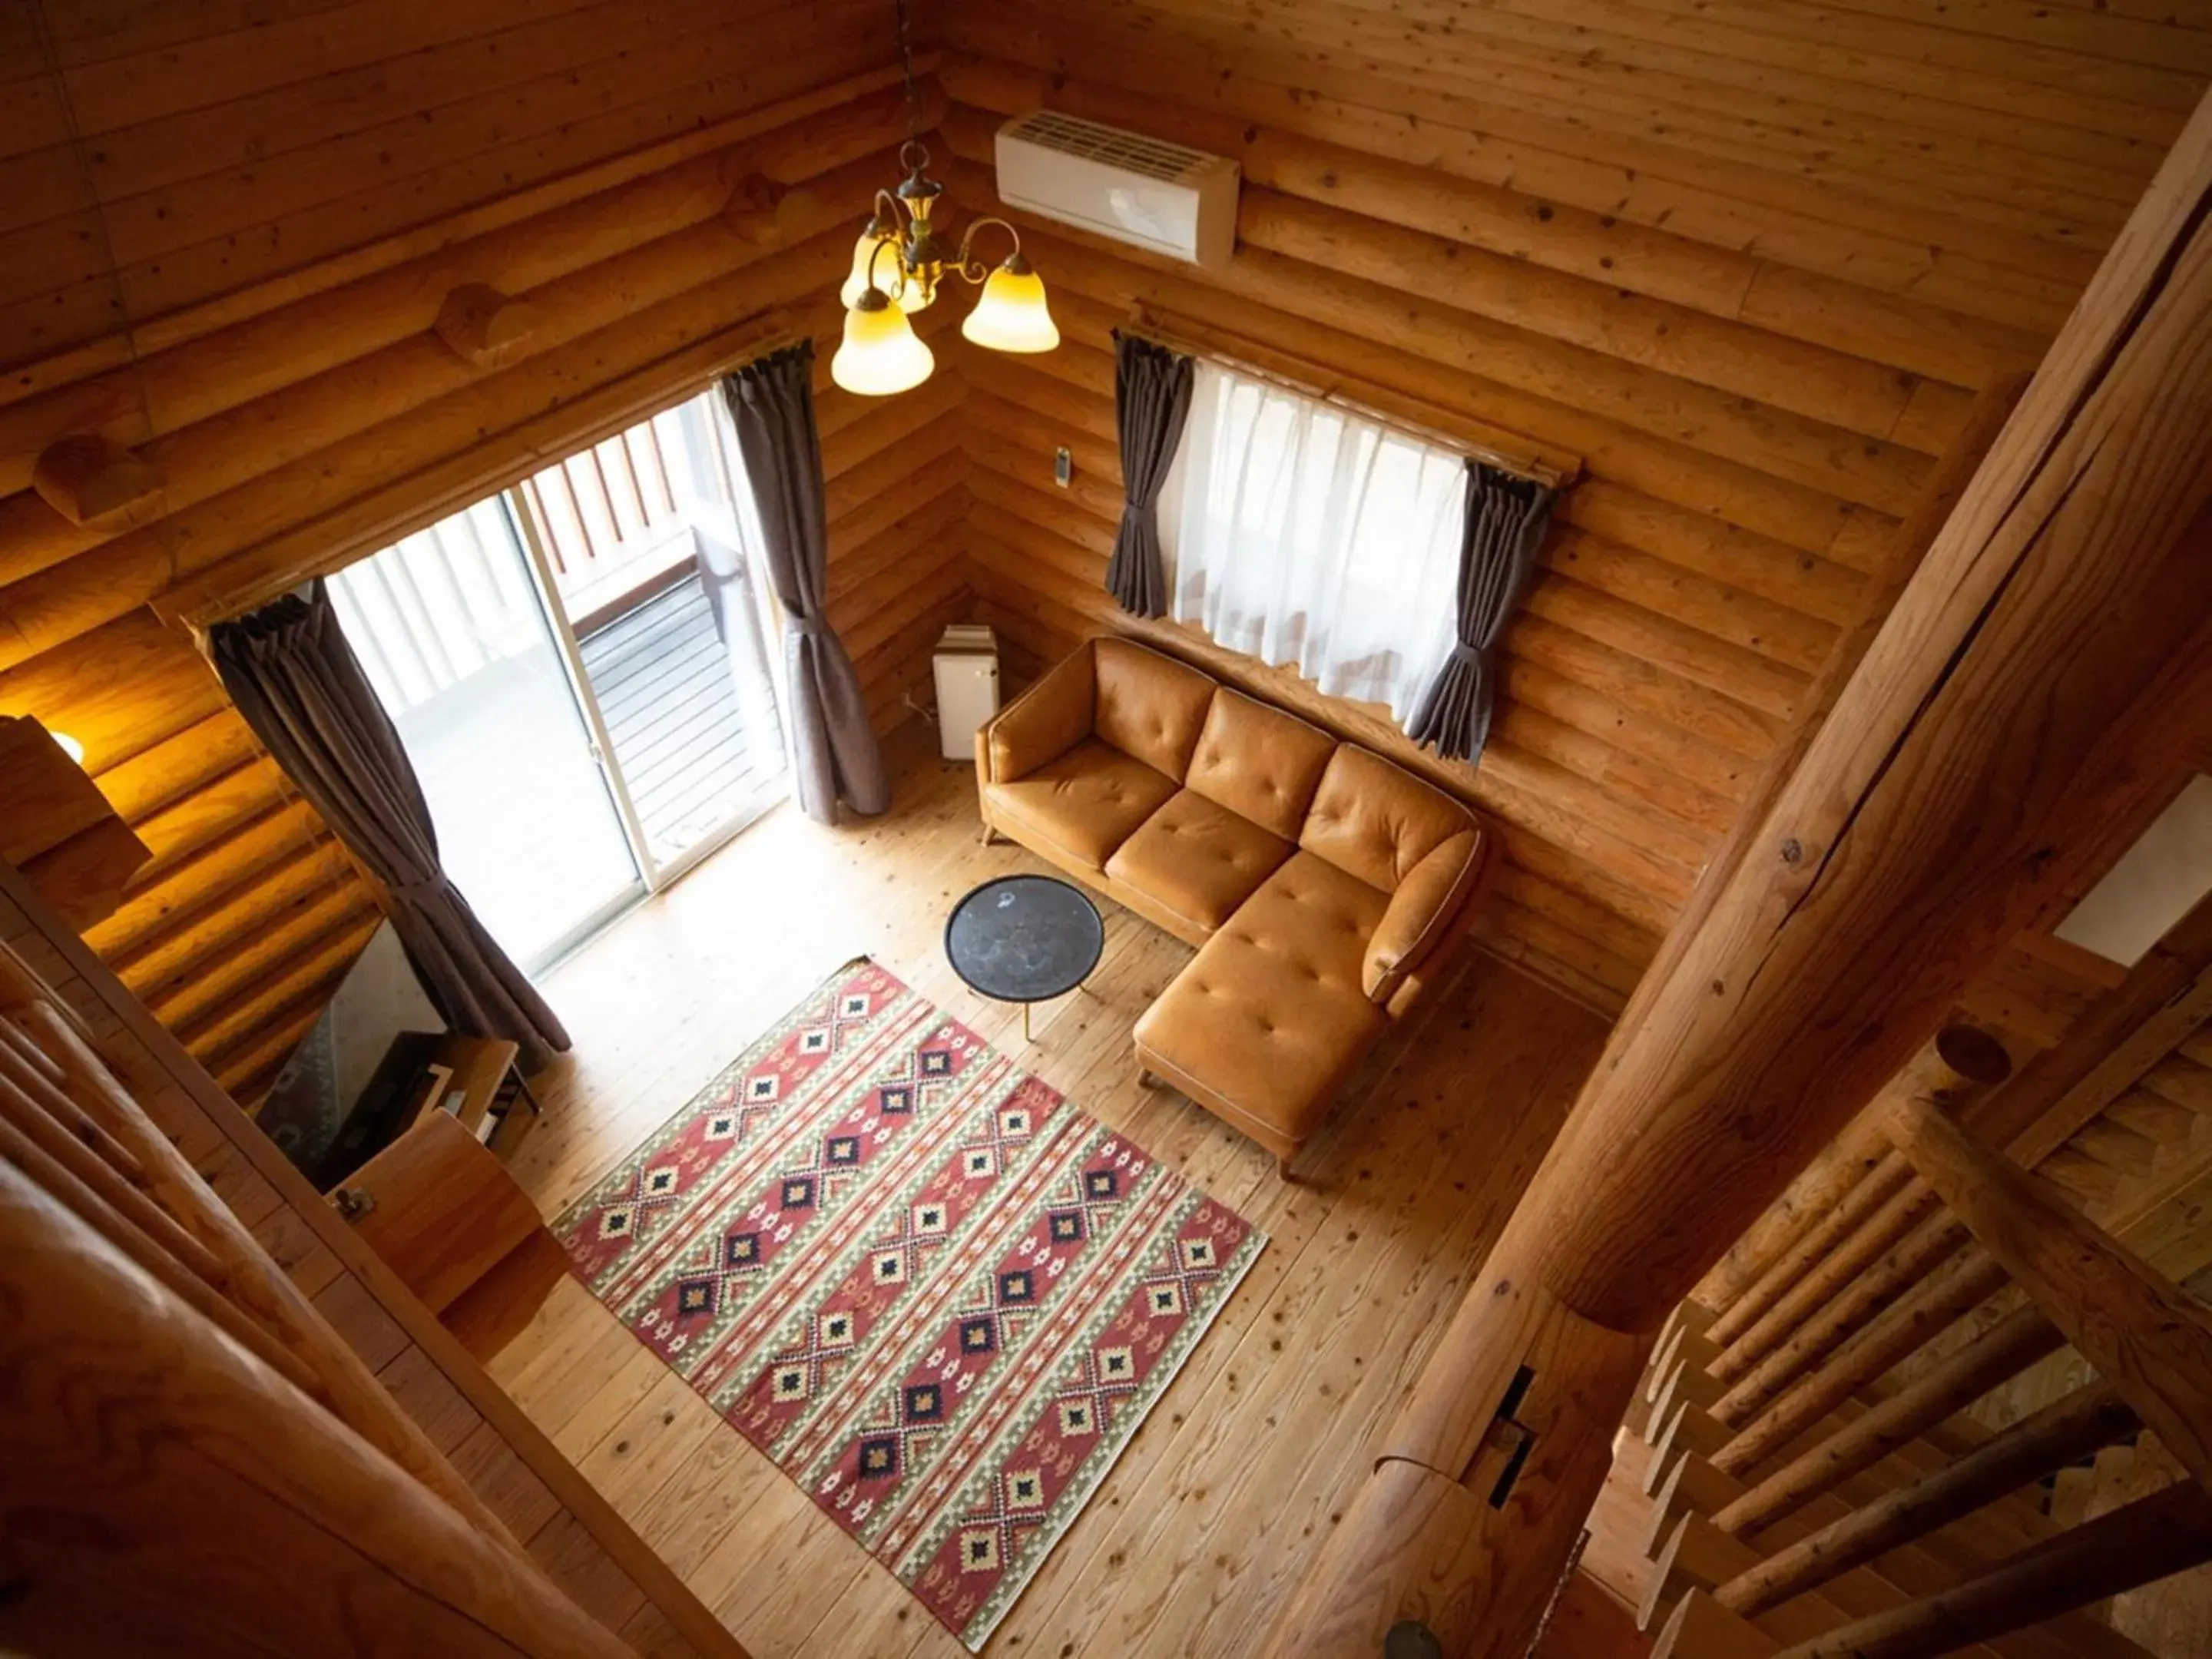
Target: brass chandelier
point(899, 263)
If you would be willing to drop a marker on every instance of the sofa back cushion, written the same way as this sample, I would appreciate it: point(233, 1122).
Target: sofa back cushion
point(1372, 820)
point(1258, 761)
point(1148, 706)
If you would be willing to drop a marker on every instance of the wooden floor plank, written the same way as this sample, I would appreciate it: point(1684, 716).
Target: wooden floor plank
point(1229, 1487)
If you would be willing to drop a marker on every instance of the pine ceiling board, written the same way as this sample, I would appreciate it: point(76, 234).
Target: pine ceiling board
point(1798, 144)
point(91, 31)
point(257, 126)
point(1455, 135)
point(210, 269)
point(1773, 91)
point(124, 92)
point(654, 64)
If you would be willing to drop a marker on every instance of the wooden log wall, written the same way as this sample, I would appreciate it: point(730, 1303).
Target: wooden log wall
point(227, 235)
point(522, 1481)
point(1750, 265)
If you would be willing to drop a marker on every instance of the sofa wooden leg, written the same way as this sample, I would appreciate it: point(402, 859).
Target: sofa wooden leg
point(990, 837)
point(1145, 1079)
point(1283, 1172)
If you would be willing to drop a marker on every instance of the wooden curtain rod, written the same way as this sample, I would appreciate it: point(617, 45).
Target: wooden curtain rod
point(1232, 351)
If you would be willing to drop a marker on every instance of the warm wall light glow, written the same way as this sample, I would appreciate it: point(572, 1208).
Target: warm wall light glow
point(1011, 316)
point(881, 354)
point(69, 746)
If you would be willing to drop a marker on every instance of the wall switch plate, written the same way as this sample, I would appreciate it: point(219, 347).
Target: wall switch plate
point(1063, 467)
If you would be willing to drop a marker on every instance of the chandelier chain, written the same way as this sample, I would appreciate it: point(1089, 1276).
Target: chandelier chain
point(906, 66)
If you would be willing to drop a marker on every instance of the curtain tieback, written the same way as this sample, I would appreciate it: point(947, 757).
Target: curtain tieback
point(1464, 656)
point(812, 627)
point(416, 890)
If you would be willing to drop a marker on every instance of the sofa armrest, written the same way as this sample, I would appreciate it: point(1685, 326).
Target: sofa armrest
point(1421, 913)
point(1046, 721)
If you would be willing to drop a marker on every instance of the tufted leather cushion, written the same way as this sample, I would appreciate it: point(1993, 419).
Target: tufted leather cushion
point(1271, 1014)
point(1197, 860)
point(1148, 705)
point(1258, 761)
point(1085, 802)
point(1375, 821)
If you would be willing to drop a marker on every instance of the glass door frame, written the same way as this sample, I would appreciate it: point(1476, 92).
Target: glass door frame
point(656, 874)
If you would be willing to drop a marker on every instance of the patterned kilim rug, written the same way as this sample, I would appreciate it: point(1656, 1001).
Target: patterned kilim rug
point(940, 1298)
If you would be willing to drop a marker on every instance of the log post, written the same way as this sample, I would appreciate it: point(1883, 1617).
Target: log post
point(1963, 774)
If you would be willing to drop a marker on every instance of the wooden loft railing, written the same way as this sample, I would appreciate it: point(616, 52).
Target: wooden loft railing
point(1791, 1518)
point(207, 1464)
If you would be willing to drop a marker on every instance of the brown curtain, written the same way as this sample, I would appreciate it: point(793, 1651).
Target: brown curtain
point(834, 747)
point(1505, 530)
point(299, 685)
point(1151, 402)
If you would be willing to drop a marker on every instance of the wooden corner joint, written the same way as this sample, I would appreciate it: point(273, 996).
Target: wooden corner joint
point(87, 478)
point(482, 326)
point(766, 211)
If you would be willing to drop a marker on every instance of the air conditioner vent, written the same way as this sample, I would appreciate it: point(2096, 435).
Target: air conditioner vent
point(1094, 141)
point(1164, 197)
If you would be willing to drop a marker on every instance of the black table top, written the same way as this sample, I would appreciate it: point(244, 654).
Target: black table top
point(1024, 938)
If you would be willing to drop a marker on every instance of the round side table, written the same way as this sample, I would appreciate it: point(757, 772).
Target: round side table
point(1024, 938)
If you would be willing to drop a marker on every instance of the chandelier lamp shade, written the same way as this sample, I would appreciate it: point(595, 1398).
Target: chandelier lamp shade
point(898, 265)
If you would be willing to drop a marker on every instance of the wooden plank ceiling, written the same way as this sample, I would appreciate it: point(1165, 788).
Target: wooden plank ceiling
point(1750, 264)
point(225, 229)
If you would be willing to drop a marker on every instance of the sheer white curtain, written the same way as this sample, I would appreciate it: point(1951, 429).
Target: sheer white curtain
point(1314, 539)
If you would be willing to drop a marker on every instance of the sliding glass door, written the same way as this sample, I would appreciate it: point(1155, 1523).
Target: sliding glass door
point(579, 672)
point(449, 627)
point(641, 541)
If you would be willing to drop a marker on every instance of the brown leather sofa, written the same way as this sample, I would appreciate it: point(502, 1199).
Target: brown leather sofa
point(1322, 884)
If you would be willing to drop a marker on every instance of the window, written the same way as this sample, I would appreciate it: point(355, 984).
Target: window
point(1314, 539)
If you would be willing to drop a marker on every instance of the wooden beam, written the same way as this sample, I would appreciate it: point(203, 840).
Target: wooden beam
point(2145, 1334)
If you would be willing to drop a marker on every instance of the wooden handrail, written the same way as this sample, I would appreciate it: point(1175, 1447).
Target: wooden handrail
point(160, 1480)
point(2003, 1352)
point(1936, 1240)
point(1971, 1278)
point(1828, 1229)
point(260, 1291)
point(2169, 1531)
point(1909, 1202)
point(2145, 1334)
point(2084, 1422)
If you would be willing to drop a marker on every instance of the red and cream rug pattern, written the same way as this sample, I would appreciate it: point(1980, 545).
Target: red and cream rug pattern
point(939, 1297)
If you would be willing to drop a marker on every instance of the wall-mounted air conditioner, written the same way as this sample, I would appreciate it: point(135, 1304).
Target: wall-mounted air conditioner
point(1164, 197)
